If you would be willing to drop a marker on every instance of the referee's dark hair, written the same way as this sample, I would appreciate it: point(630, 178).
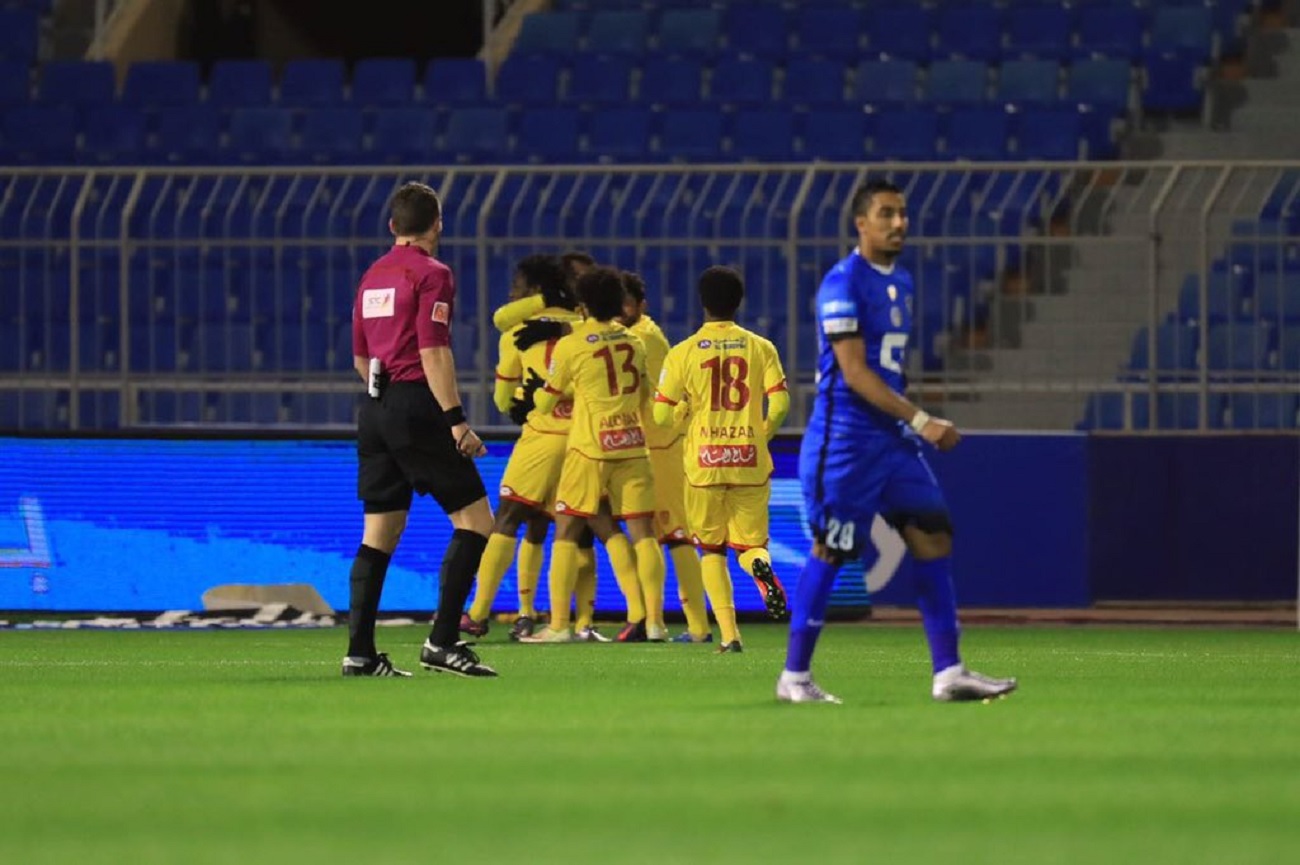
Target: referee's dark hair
point(414, 209)
point(546, 274)
point(634, 285)
point(863, 194)
point(721, 291)
point(601, 291)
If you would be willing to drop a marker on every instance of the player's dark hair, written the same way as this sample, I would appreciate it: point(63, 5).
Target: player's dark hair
point(414, 209)
point(576, 257)
point(601, 291)
point(634, 285)
point(863, 194)
point(721, 291)
point(546, 274)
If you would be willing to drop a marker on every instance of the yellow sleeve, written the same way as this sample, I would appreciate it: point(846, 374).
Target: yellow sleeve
point(778, 395)
point(671, 390)
point(508, 373)
point(517, 312)
point(559, 378)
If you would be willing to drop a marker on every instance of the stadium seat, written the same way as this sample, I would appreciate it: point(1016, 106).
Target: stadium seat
point(259, 135)
point(161, 84)
point(763, 134)
point(1185, 31)
point(383, 81)
point(1105, 411)
point(837, 134)
point(528, 80)
point(1105, 85)
point(114, 135)
point(187, 135)
point(1278, 299)
point(956, 82)
point(977, 134)
point(19, 35)
point(39, 135)
point(1239, 347)
point(885, 83)
point(240, 83)
point(79, 83)
point(1109, 31)
point(691, 134)
point(600, 80)
point(15, 83)
point(757, 30)
point(475, 134)
point(331, 136)
point(1182, 411)
point(689, 32)
point(1226, 295)
point(910, 136)
point(1175, 348)
point(1039, 31)
point(455, 81)
point(814, 81)
point(1288, 348)
point(1048, 134)
point(311, 82)
point(1250, 411)
point(970, 31)
point(548, 134)
point(618, 32)
point(671, 81)
point(548, 33)
point(1029, 83)
point(1172, 84)
point(900, 31)
point(741, 81)
point(829, 31)
point(402, 135)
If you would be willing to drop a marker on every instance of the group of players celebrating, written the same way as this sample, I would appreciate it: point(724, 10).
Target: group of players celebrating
point(601, 447)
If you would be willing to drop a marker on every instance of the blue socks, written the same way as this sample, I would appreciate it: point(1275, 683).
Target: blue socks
point(808, 613)
point(938, 605)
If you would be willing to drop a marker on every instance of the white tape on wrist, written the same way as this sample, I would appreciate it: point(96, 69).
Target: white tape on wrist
point(919, 420)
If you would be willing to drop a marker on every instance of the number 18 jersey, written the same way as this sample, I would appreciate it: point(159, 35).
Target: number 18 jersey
point(602, 365)
point(723, 371)
point(858, 298)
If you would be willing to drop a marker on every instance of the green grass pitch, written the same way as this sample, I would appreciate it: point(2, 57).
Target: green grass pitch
point(1123, 746)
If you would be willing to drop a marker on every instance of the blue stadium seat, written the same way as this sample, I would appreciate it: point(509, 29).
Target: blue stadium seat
point(973, 32)
point(1175, 348)
point(475, 134)
point(1101, 83)
point(548, 33)
point(1029, 83)
point(693, 134)
point(830, 31)
point(671, 81)
point(1039, 31)
point(1172, 84)
point(691, 32)
point(1182, 411)
point(254, 409)
point(15, 83)
point(529, 80)
point(899, 31)
point(1105, 411)
point(402, 135)
point(1109, 31)
point(188, 135)
point(19, 35)
point(1263, 410)
point(742, 81)
point(1185, 31)
point(1048, 134)
point(910, 136)
point(765, 134)
point(455, 81)
point(223, 348)
point(836, 134)
point(757, 30)
point(33, 409)
point(383, 81)
point(260, 135)
point(312, 82)
point(600, 80)
point(1226, 294)
point(39, 135)
point(548, 134)
point(956, 82)
point(240, 83)
point(114, 135)
point(1278, 300)
point(814, 81)
point(1239, 346)
point(79, 83)
point(618, 32)
point(100, 409)
point(161, 84)
point(977, 134)
point(331, 136)
point(1288, 348)
point(885, 83)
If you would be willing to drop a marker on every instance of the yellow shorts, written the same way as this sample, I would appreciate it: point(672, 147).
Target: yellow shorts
point(670, 492)
point(585, 482)
point(533, 471)
point(725, 516)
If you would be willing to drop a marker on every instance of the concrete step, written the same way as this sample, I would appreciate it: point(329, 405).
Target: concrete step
point(1017, 411)
point(1267, 120)
point(1036, 365)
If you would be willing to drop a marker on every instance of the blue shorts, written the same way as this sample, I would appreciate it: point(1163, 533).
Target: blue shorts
point(847, 482)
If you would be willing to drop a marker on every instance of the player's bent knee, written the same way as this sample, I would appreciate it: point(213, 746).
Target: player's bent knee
point(823, 553)
point(509, 516)
point(383, 529)
point(927, 546)
point(475, 517)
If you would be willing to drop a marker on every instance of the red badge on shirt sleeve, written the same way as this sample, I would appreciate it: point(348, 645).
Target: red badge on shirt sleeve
point(441, 313)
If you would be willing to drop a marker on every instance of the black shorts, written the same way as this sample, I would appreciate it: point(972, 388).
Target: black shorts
point(404, 447)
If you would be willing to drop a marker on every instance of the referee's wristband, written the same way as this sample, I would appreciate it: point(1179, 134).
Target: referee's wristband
point(919, 420)
point(455, 415)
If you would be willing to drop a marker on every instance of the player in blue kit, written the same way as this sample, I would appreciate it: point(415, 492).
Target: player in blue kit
point(862, 454)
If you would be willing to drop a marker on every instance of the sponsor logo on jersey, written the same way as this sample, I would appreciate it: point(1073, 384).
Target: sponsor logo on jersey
point(892, 291)
point(835, 307)
point(591, 337)
point(728, 456)
point(442, 312)
point(507, 491)
point(561, 507)
point(378, 302)
point(705, 343)
point(833, 326)
point(896, 316)
point(621, 439)
point(563, 410)
point(677, 534)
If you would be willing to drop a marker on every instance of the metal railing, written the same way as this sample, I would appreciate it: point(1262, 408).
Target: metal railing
point(1137, 295)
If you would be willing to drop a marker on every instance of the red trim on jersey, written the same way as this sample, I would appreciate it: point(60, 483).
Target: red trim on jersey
point(776, 388)
point(709, 548)
point(523, 501)
point(661, 398)
point(501, 377)
point(741, 548)
point(635, 516)
point(551, 390)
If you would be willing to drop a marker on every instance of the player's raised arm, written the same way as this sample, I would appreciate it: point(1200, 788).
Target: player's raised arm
point(516, 312)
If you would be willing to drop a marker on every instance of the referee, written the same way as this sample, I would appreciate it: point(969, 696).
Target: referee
point(412, 436)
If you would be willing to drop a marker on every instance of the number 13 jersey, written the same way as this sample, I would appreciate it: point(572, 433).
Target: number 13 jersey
point(723, 372)
point(602, 366)
point(857, 298)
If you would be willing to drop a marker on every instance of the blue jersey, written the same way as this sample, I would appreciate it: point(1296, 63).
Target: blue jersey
point(857, 298)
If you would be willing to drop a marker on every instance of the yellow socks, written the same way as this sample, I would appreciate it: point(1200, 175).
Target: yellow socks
point(717, 582)
point(690, 588)
point(650, 574)
point(564, 561)
point(754, 554)
point(530, 572)
point(623, 562)
point(585, 589)
point(491, 568)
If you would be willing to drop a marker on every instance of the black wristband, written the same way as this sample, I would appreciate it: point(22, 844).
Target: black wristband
point(455, 416)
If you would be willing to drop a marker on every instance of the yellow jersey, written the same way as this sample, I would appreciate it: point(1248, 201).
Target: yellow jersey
point(601, 366)
point(723, 371)
point(513, 367)
point(656, 351)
